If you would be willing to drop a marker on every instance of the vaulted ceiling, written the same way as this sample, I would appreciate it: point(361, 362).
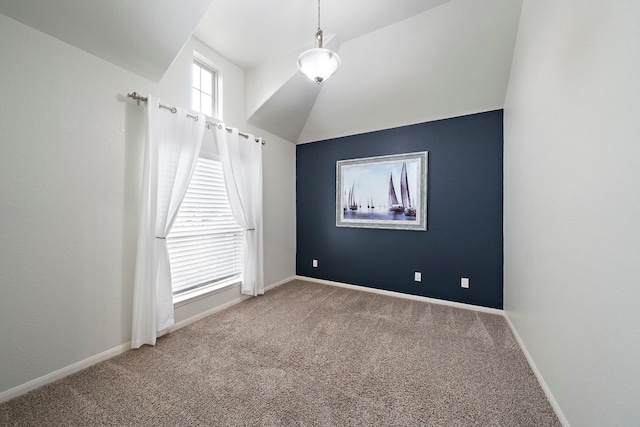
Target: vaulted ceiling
point(404, 61)
point(142, 36)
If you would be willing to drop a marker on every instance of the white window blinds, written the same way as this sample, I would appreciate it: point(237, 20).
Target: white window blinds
point(205, 242)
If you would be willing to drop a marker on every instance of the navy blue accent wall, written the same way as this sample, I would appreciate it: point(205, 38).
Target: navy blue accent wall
point(464, 213)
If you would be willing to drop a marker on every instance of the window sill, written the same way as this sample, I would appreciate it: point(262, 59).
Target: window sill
point(204, 292)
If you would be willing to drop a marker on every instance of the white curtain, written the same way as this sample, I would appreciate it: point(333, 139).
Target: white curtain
point(242, 166)
point(173, 144)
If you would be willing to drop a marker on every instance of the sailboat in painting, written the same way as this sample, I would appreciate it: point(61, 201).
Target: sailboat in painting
point(403, 205)
point(409, 210)
point(394, 204)
point(352, 201)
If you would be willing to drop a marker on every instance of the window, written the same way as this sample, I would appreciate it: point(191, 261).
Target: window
point(204, 89)
point(205, 242)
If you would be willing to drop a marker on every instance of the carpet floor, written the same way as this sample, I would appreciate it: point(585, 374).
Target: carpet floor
point(307, 354)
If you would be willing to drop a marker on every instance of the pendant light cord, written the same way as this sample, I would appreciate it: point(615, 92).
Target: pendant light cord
point(319, 32)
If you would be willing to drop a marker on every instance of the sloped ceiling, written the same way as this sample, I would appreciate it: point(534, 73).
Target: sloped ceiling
point(449, 61)
point(251, 32)
point(142, 36)
point(403, 61)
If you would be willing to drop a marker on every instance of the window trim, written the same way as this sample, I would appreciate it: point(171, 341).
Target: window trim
point(216, 72)
point(204, 291)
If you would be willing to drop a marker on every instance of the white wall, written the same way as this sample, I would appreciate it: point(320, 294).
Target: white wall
point(70, 168)
point(572, 203)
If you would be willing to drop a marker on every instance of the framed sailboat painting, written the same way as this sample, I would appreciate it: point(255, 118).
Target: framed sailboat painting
point(383, 192)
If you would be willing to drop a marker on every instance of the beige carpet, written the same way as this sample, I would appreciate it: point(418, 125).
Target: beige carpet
point(307, 355)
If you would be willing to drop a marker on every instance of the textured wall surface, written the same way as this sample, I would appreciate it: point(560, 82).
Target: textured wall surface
point(464, 236)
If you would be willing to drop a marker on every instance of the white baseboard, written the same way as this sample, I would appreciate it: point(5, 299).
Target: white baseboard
point(63, 372)
point(78, 366)
point(534, 368)
point(200, 316)
point(282, 282)
point(405, 296)
point(536, 372)
point(214, 310)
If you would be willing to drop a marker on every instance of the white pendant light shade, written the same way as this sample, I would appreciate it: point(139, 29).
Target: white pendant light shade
point(318, 64)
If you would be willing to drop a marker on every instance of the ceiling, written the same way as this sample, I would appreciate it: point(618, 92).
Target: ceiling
point(142, 36)
point(250, 32)
point(470, 41)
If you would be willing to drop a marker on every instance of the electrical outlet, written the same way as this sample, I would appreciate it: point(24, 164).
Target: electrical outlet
point(464, 282)
point(417, 276)
point(315, 263)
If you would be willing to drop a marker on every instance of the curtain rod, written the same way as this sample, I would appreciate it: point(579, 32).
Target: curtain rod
point(138, 98)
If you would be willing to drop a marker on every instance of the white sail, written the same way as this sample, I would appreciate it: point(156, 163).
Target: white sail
point(404, 187)
point(394, 205)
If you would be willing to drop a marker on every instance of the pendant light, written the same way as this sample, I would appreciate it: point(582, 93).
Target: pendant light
point(318, 64)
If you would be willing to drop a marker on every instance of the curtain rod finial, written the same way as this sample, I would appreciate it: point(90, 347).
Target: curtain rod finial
point(137, 97)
